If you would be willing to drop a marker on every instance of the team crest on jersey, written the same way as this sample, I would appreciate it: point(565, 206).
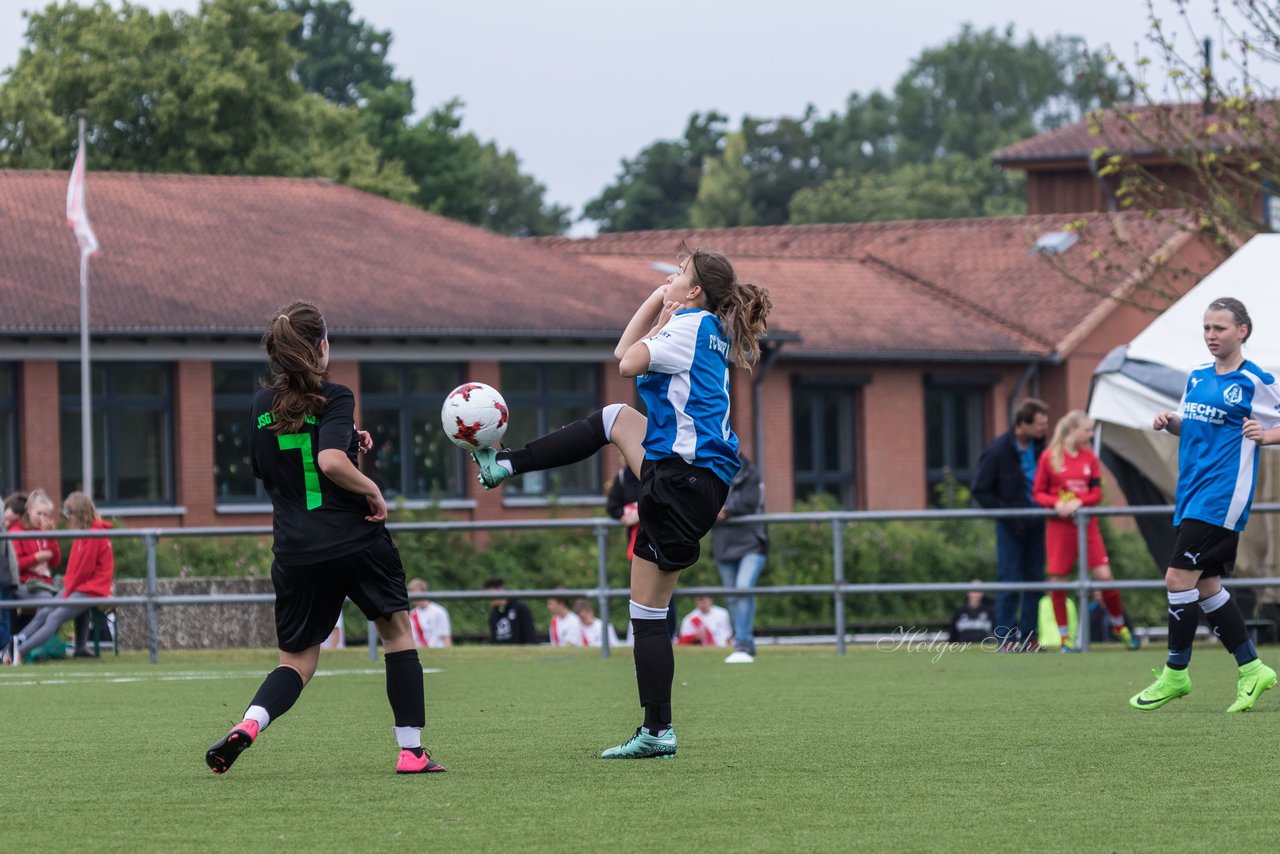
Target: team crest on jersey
point(1233, 394)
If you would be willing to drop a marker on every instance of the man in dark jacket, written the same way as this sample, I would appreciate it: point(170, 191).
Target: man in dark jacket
point(739, 552)
point(1006, 471)
point(510, 620)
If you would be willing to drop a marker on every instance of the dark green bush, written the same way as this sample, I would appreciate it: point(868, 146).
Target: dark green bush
point(800, 553)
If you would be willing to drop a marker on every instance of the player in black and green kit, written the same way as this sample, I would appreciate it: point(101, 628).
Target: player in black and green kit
point(331, 540)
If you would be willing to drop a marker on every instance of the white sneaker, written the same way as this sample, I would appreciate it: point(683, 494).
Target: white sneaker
point(739, 657)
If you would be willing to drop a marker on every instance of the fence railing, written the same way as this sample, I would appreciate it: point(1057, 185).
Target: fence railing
point(839, 588)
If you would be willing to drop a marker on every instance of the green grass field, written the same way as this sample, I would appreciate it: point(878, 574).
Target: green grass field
point(801, 751)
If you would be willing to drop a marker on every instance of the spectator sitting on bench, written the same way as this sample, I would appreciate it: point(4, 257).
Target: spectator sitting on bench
point(37, 558)
point(90, 572)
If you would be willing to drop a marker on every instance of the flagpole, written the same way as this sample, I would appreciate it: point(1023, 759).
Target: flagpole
point(86, 410)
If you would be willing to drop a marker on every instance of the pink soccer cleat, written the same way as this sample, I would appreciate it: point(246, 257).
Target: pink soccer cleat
point(419, 762)
point(230, 746)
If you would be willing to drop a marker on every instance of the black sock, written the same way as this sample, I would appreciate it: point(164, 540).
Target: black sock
point(570, 444)
point(404, 688)
point(1184, 618)
point(279, 691)
point(655, 671)
point(1228, 624)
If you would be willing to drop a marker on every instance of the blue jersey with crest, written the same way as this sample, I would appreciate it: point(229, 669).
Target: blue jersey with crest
point(1217, 465)
point(686, 391)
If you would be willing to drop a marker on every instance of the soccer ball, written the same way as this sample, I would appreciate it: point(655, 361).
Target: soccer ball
point(474, 416)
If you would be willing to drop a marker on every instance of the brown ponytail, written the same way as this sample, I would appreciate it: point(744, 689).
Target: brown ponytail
point(293, 356)
point(742, 307)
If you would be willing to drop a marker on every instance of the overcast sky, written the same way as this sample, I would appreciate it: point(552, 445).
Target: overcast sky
point(574, 86)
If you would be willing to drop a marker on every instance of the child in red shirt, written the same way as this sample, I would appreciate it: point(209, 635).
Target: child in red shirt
point(1069, 477)
point(39, 557)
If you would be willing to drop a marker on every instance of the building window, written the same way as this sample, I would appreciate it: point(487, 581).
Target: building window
point(822, 438)
point(234, 385)
point(132, 408)
point(953, 429)
point(542, 398)
point(412, 457)
point(8, 428)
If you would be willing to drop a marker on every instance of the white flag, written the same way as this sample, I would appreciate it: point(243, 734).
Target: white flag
point(77, 213)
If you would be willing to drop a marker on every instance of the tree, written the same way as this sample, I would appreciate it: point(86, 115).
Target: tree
point(964, 99)
point(952, 186)
point(983, 90)
point(214, 93)
point(658, 188)
point(1219, 130)
point(341, 58)
point(1196, 150)
point(209, 93)
point(724, 193)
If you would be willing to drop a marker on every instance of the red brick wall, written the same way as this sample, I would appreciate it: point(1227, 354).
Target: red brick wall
point(891, 431)
point(196, 488)
point(38, 428)
point(775, 409)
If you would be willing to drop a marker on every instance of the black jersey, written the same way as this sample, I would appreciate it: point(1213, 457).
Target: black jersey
point(313, 518)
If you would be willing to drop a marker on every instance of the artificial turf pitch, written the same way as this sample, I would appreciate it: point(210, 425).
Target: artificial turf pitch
point(879, 750)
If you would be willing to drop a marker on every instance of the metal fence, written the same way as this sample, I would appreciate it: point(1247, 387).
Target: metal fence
point(839, 588)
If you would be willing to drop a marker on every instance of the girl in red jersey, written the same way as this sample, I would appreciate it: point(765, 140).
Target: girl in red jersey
point(1069, 477)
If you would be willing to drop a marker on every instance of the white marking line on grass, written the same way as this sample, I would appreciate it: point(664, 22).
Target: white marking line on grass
point(14, 680)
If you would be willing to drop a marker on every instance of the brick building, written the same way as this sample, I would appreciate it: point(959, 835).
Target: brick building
point(897, 348)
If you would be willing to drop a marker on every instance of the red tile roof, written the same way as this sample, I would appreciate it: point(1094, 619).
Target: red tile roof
point(966, 288)
point(1145, 130)
point(203, 254)
point(209, 255)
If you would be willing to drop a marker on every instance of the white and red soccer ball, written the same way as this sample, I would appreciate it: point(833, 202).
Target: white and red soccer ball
point(474, 416)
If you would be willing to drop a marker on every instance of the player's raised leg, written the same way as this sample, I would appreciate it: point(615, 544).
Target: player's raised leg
point(617, 423)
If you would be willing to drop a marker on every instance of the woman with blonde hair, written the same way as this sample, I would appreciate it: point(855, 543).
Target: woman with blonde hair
point(37, 558)
point(1069, 477)
point(90, 573)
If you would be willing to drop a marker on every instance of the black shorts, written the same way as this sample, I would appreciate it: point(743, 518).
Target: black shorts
point(678, 505)
point(309, 597)
point(1204, 548)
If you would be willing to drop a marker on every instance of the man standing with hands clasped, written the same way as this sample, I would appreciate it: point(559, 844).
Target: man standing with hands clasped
point(1006, 471)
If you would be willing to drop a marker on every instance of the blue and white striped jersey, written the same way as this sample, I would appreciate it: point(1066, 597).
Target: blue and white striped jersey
point(686, 391)
point(1217, 466)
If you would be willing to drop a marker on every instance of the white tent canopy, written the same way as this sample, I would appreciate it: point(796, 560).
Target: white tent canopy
point(1147, 376)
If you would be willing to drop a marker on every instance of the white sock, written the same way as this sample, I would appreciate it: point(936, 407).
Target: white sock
point(506, 464)
point(644, 612)
point(409, 737)
point(610, 414)
point(259, 714)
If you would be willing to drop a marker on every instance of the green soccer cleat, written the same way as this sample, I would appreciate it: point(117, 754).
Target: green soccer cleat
point(642, 745)
point(491, 474)
point(1169, 685)
point(1255, 677)
point(1128, 638)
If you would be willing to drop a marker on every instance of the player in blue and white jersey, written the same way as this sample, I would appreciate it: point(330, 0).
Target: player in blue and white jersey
point(1229, 407)
point(679, 346)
